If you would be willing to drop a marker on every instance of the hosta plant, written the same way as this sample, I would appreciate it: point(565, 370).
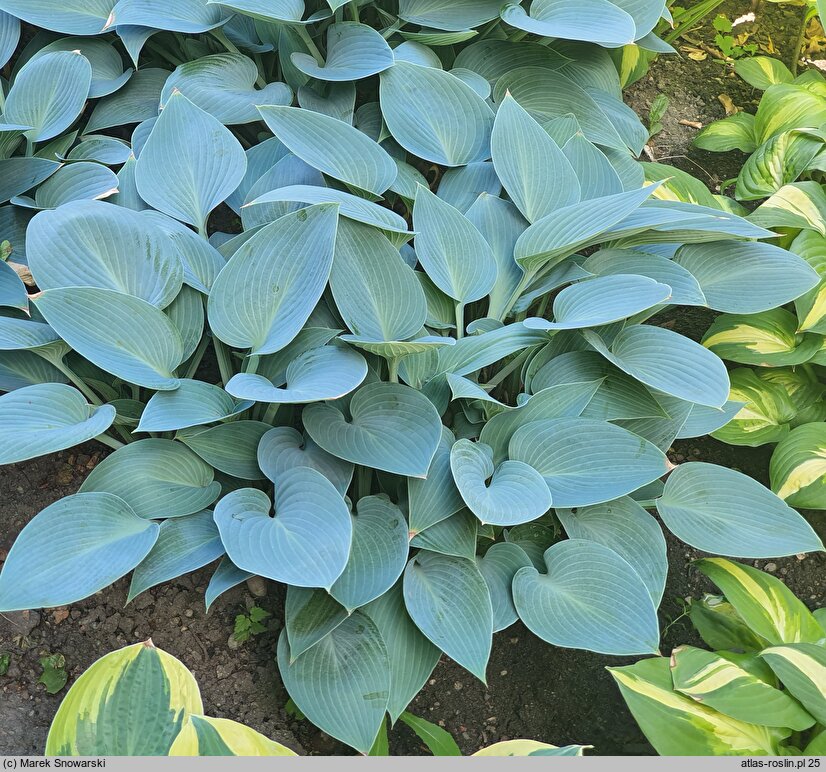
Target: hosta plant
point(760, 689)
point(785, 137)
point(419, 386)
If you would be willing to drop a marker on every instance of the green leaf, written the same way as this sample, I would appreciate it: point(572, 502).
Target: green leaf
point(230, 447)
point(189, 164)
point(498, 566)
point(589, 598)
point(435, 497)
point(354, 51)
point(438, 741)
point(306, 543)
point(332, 147)
point(722, 511)
point(777, 162)
point(342, 684)
point(449, 601)
point(798, 470)
point(392, 427)
point(735, 132)
point(762, 71)
point(193, 403)
point(120, 333)
point(802, 669)
point(44, 571)
point(766, 605)
point(158, 478)
point(139, 100)
point(309, 615)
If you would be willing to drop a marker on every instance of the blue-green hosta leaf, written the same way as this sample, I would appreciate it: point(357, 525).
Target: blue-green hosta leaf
point(376, 293)
point(492, 58)
point(137, 101)
point(268, 10)
point(435, 497)
point(226, 576)
point(398, 348)
point(573, 227)
point(349, 205)
point(454, 254)
point(448, 600)
point(342, 684)
point(230, 447)
point(309, 615)
point(685, 289)
point(703, 420)
point(435, 38)
point(93, 244)
point(19, 174)
point(283, 448)
point(41, 419)
point(460, 186)
point(82, 181)
point(392, 427)
point(48, 94)
point(378, 554)
point(184, 544)
point(187, 314)
point(190, 163)
point(498, 566)
point(354, 51)
point(593, 20)
point(332, 147)
point(224, 86)
point(417, 53)
point(746, 277)
point(193, 403)
point(191, 16)
point(323, 373)
point(589, 598)
point(602, 300)
point(260, 159)
point(598, 177)
point(13, 293)
point(585, 461)
point(122, 334)
point(19, 334)
point(85, 17)
point(158, 478)
point(516, 493)
point(532, 167)
point(765, 604)
point(455, 16)
point(418, 102)
point(798, 467)
point(625, 527)
point(266, 292)
point(725, 686)
point(455, 536)
point(44, 571)
point(722, 511)
point(103, 150)
point(668, 362)
point(306, 543)
point(802, 669)
point(108, 74)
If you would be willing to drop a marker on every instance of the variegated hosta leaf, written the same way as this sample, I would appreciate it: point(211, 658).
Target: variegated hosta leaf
point(530, 748)
point(676, 725)
point(205, 736)
point(798, 467)
point(721, 627)
point(802, 669)
point(131, 702)
point(766, 605)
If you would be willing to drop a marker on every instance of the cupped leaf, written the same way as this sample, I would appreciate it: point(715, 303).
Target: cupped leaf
point(354, 51)
point(584, 461)
point(589, 598)
point(418, 102)
point(206, 736)
point(189, 164)
point(392, 427)
point(448, 599)
point(306, 543)
point(131, 702)
point(47, 417)
point(85, 17)
point(722, 511)
point(498, 566)
point(269, 287)
point(158, 478)
point(323, 373)
point(193, 403)
point(342, 684)
point(120, 333)
point(91, 243)
point(101, 539)
point(332, 147)
point(190, 16)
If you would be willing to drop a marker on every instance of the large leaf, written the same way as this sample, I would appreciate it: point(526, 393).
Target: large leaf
point(158, 478)
point(229, 447)
point(206, 736)
point(498, 566)
point(189, 164)
point(19, 174)
point(84, 17)
point(722, 511)
point(309, 615)
point(193, 403)
point(332, 147)
point(454, 16)
point(354, 51)
point(435, 497)
point(589, 598)
point(391, 427)
point(42, 570)
point(306, 543)
point(190, 16)
point(266, 292)
point(802, 669)
point(418, 102)
point(342, 684)
point(41, 419)
point(448, 599)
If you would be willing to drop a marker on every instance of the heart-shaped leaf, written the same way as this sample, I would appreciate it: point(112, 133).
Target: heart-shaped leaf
point(354, 51)
point(193, 403)
point(84, 17)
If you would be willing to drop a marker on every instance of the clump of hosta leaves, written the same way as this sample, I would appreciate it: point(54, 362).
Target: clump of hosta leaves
point(420, 385)
point(759, 691)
